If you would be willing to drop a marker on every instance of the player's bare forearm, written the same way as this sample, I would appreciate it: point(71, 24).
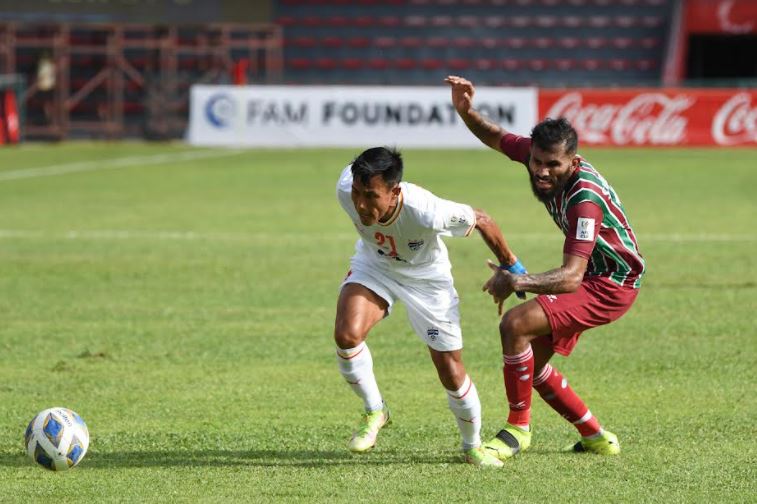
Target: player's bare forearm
point(486, 131)
point(494, 239)
point(566, 278)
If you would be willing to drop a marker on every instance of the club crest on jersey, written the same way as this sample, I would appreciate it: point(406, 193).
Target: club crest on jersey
point(433, 333)
point(415, 245)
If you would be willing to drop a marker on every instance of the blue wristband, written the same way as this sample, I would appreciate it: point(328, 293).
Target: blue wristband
point(516, 268)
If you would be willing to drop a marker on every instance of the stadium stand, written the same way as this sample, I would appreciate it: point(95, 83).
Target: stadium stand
point(496, 42)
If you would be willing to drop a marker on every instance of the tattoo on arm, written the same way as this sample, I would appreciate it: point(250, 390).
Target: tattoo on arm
point(556, 281)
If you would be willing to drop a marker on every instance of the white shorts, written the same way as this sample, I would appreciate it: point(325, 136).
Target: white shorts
point(432, 305)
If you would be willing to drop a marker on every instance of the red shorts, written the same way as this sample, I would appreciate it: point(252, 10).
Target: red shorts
point(598, 301)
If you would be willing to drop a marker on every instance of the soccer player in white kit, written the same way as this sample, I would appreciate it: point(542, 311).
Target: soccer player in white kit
point(401, 256)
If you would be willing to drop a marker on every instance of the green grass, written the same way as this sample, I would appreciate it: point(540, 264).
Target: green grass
point(185, 310)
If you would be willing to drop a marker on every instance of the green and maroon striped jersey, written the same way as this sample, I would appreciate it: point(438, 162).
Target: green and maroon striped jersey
point(616, 253)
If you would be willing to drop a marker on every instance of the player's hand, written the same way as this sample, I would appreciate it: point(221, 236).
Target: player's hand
point(499, 286)
point(462, 93)
point(516, 268)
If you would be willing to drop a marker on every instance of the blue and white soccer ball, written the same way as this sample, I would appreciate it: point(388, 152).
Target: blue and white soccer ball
point(57, 439)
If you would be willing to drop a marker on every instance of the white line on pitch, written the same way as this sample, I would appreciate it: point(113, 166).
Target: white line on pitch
point(115, 163)
point(112, 234)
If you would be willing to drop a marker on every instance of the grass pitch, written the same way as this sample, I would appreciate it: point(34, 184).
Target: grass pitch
point(182, 301)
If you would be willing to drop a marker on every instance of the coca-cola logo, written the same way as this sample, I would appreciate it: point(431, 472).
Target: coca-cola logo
point(648, 118)
point(736, 121)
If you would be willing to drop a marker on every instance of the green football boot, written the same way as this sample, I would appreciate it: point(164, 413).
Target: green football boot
point(364, 437)
point(605, 444)
point(508, 442)
point(481, 458)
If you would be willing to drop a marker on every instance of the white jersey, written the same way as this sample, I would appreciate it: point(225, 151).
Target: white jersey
point(409, 244)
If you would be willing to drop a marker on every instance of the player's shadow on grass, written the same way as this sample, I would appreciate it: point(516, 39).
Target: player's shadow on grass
point(227, 458)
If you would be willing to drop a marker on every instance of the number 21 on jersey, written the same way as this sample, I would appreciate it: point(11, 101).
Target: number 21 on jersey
point(381, 239)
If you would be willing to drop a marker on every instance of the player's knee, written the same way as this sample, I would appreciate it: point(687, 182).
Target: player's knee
point(348, 335)
point(511, 327)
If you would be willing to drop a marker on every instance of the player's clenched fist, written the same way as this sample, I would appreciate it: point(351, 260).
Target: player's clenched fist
point(462, 93)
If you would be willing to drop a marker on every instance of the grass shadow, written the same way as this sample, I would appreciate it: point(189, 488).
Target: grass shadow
point(228, 458)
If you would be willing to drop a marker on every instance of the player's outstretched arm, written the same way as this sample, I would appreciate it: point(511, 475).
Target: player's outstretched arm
point(495, 240)
point(462, 98)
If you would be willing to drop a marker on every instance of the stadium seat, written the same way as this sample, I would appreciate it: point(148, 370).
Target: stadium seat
point(389, 21)
point(431, 64)
point(511, 64)
point(359, 42)
point(546, 21)
point(619, 64)
point(378, 63)
point(415, 21)
point(515, 42)
point(338, 21)
point(458, 64)
point(437, 42)
point(625, 21)
point(537, 64)
point(468, 21)
point(649, 42)
point(651, 21)
point(564, 64)
point(463, 42)
point(326, 63)
point(384, 42)
point(569, 42)
point(485, 64)
point(595, 42)
point(303, 42)
point(411, 42)
point(299, 63)
point(599, 21)
point(622, 42)
point(352, 63)
point(405, 64)
point(332, 42)
point(542, 42)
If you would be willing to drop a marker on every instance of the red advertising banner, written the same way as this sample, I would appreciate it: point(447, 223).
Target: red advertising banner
point(656, 117)
point(727, 17)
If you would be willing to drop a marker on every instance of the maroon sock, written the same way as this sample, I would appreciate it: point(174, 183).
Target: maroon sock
point(554, 389)
point(519, 371)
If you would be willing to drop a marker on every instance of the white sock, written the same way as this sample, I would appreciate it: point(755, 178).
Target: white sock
point(466, 407)
point(356, 365)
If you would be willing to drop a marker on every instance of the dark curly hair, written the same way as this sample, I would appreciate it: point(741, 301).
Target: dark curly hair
point(549, 134)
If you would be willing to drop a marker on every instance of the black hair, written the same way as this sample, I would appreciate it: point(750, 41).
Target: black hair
point(549, 134)
point(378, 161)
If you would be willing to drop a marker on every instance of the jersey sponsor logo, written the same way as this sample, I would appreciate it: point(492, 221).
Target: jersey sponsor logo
point(462, 219)
point(585, 229)
point(415, 245)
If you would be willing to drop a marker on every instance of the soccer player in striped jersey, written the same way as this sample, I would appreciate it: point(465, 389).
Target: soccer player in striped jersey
point(400, 256)
point(596, 284)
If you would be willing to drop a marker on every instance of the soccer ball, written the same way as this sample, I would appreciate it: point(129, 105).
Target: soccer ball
point(57, 439)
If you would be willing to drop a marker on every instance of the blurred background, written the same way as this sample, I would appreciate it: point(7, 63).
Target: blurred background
point(124, 68)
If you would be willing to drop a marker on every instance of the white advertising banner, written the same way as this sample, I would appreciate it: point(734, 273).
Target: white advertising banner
point(341, 116)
